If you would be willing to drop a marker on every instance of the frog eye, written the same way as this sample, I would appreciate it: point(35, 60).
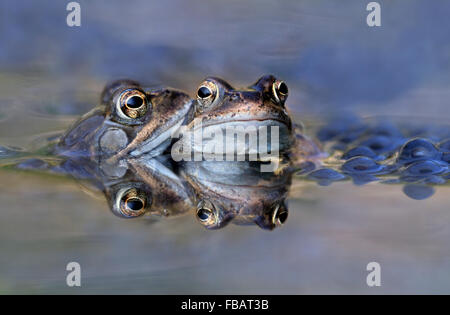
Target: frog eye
point(206, 214)
point(206, 94)
point(280, 214)
point(132, 104)
point(131, 203)
point(280, 91)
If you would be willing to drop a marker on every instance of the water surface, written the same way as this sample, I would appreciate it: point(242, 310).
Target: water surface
point(50, 74)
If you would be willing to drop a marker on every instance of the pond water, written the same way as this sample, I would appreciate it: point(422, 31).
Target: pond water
point(335, 67)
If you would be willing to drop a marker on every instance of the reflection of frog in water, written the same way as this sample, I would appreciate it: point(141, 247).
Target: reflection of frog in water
point(237, 192)
point(118, 147)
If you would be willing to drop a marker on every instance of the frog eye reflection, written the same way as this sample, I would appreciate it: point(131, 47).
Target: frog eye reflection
point(132, 203)
point(206, 214)
point(280, 215)
point(207, 94)
point(132, 103)
point(280, 91)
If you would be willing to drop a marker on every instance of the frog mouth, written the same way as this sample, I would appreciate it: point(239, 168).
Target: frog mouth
point(258, 136)
point(155, 137)
point(157, 143)
point(246, 123)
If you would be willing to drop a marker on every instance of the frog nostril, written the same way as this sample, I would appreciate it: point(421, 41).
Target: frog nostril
point(134, 102)
point(204, 92)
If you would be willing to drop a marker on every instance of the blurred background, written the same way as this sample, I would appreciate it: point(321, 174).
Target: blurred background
point(324, 49)
point(332, 62)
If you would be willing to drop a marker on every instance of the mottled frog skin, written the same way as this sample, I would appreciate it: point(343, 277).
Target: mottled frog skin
point(131, 121)
point(237, 192)
point(219, 107)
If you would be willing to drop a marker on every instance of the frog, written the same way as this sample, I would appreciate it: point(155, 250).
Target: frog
point(149, 187)
point(259, 121)
point(237, 192)
point(131, 120)
point(118, 147)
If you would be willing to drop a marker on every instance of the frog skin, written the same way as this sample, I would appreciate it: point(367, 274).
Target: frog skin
point(220, 106)
point(149, 187)
point(131, 121)
point(237, 192)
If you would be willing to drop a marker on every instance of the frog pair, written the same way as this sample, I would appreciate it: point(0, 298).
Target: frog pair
point(128, 147)
point(133, 120)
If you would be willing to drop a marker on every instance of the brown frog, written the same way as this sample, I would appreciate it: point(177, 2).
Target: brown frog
point(131, 120)
point(149, 187)
point(239, 123)
point(237, 192)
point(249, 124)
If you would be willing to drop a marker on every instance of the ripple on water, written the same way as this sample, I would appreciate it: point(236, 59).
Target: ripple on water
point(33, 164)
point(8, 151)
point(326, 176)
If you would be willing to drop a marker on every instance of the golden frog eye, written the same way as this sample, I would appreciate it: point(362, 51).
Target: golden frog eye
point(207, 94)
point(280, 91)
point(206, 213)
point(133, 203)
point(132, 104)
point(280, 214)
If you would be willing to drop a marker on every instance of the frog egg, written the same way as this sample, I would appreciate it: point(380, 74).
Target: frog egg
point(386, 129)
point(362, 165)
point(418, 150)
point(446, 157)
point(362, 179)
point(306, 167)
point(381, 144)
point(341, 127)
point(435, 180)
point(425, 168)
point(326, 176)
point(359, 151)
point(418, 192)
point(444, 146)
